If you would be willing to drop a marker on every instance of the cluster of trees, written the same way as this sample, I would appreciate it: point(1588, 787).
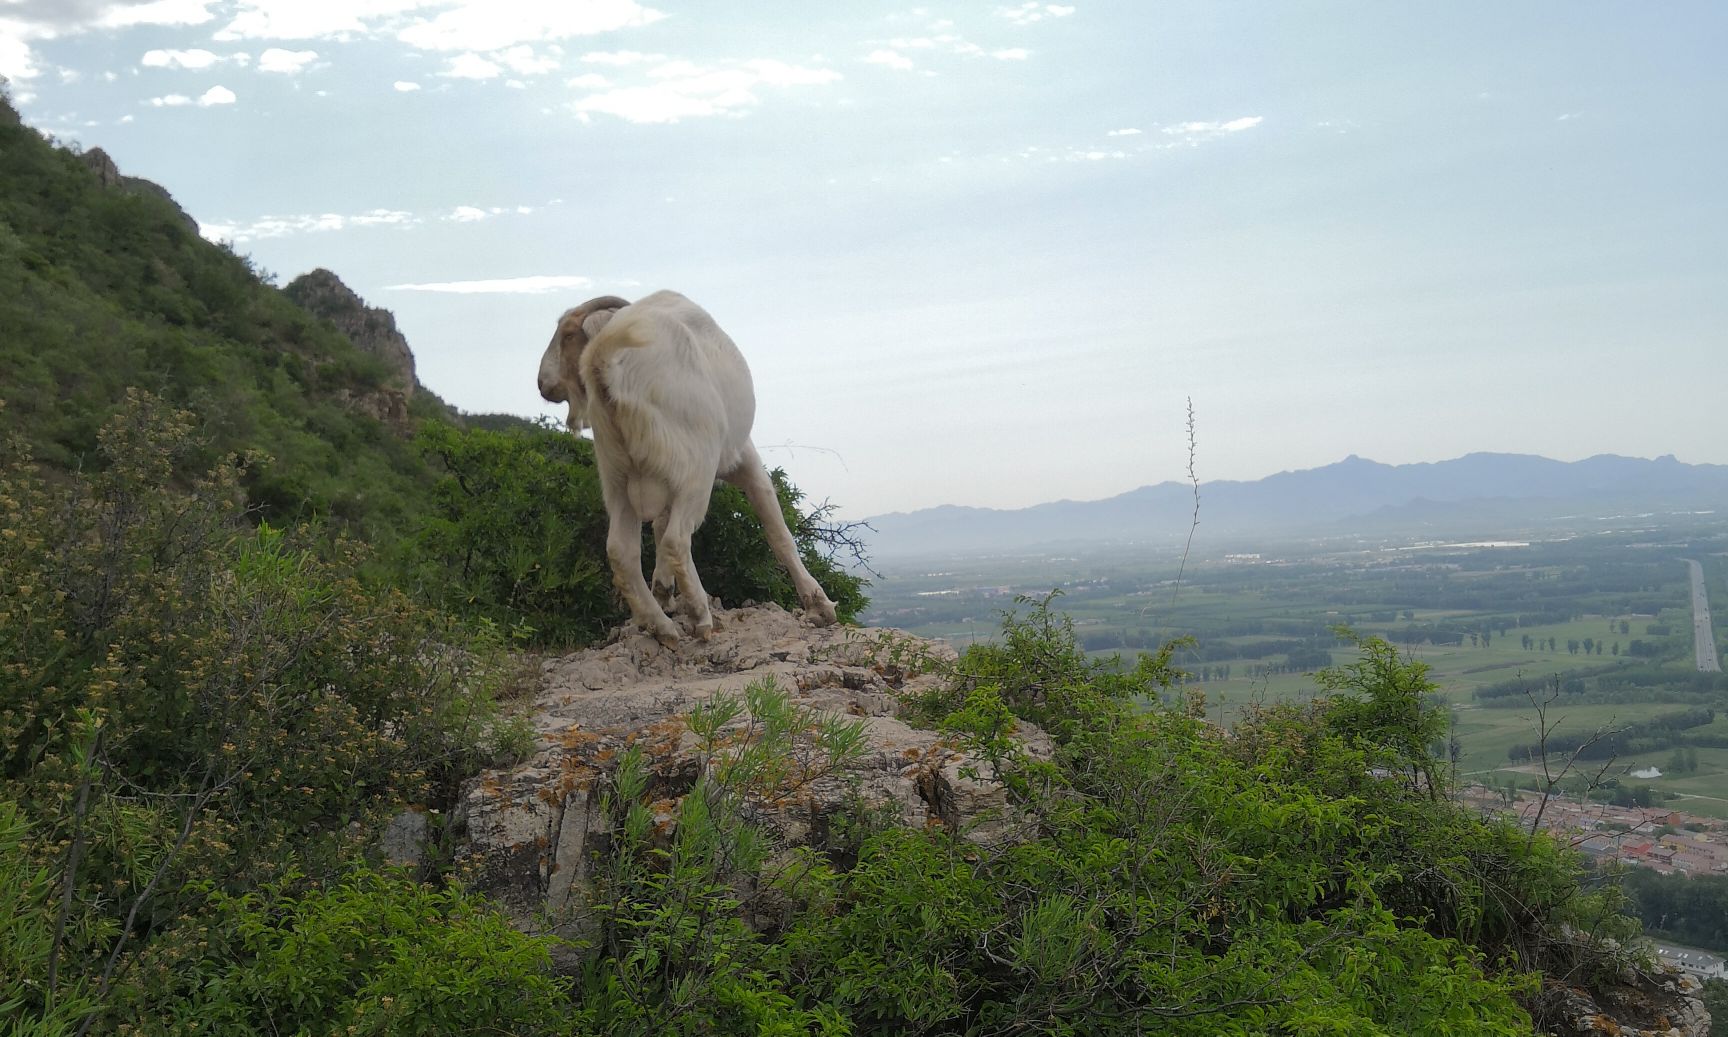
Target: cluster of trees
point(1620, 682)
point(1692, 910)
point(1659, 732)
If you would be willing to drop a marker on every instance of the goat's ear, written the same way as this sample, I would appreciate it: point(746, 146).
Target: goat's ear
point(596, 322)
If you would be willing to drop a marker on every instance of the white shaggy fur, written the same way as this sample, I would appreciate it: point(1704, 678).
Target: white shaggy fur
point(671, 403)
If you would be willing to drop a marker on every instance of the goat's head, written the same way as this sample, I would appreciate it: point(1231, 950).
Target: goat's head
point(560, 373)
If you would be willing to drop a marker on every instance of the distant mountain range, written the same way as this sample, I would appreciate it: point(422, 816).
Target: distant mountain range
point(1480, 492)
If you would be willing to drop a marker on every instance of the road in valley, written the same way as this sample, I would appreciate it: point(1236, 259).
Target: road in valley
point(1703, 635)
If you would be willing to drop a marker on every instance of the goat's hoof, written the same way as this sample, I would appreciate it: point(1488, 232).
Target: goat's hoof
point(705, 631)
point(821, 613)
point(665, 632)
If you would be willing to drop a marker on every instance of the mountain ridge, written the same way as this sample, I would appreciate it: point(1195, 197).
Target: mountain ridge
point(1354, 489)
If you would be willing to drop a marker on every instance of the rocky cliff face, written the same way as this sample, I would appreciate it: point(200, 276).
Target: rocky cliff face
point(110, 176)
point(322, 294)
point(532, 831)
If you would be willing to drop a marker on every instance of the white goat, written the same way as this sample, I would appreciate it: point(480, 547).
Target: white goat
point(671, 403)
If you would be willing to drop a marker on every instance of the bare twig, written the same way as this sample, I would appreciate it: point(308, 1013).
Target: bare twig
point(1194, 481)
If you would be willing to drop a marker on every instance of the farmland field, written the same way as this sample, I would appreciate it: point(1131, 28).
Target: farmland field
point(1596, 619)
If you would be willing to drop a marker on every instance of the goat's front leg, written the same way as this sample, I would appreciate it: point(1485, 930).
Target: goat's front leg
point(624, 551)
point(750, 477)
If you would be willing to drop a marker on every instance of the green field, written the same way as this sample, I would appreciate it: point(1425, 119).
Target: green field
point(1268, 620)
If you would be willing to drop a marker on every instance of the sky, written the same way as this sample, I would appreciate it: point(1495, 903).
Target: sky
point(983, 253)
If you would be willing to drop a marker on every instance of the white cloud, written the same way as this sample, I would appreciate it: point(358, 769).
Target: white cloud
point(170, 101)
point(524, 62)
point(314, 223)
point(16, 61)
point(1028, 13)
point(1127, 131)
point(1569, 116)
point(534, 285)
point(621, 57)
point(286, 62)
point(1011, 54)
point(283, 226)
point(309, 19)
point(216, 95)
point(471, 66)
point(946, 41)
point(682, 90)
point(125, 119)
point(405, 87)
point(19, 27)
point(1042, 154)
point(1193, 132)
point(193, 59)
point(891, 58)
point(158, 12)
point(383, 218)
point(495, 24)
point(588, 81)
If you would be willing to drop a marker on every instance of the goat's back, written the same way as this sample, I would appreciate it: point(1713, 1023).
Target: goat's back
point(669, 389)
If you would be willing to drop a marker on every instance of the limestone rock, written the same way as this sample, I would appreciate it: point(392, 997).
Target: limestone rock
point(1661, 1004)
point(405, 837)
point(531, 832)
point(322, 294)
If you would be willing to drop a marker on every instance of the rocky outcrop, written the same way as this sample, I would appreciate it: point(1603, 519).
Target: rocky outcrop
point(1638, 1004)
point(532, 831)
point(322, 294)
point(109, 175)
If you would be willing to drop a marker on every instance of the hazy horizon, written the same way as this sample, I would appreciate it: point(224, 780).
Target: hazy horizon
point(982, 254)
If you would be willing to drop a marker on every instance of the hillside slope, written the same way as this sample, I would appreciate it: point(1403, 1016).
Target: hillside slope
point(105, 286)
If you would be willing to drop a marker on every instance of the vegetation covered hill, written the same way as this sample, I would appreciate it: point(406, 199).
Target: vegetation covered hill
point(104, 289)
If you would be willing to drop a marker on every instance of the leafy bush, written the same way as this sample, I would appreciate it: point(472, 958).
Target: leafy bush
point(187, 699)
point(32, 1001)
point(517, 534)
point(676, 955)
point(371, 953)
point(1172, 878)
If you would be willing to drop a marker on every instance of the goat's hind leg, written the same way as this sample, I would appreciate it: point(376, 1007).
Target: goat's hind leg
point(663, 585)
point(672, 546)
point(750, 477)
point(624, 551)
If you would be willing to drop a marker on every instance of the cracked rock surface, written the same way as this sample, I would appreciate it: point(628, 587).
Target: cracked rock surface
point(533, 830)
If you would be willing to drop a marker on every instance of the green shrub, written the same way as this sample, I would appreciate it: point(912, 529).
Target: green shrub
point(186, 699)
point(1170, 878)
point(34, 1002)
point(371, 953)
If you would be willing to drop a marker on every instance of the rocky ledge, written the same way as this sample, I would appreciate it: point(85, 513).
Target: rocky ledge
point(532, 831)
